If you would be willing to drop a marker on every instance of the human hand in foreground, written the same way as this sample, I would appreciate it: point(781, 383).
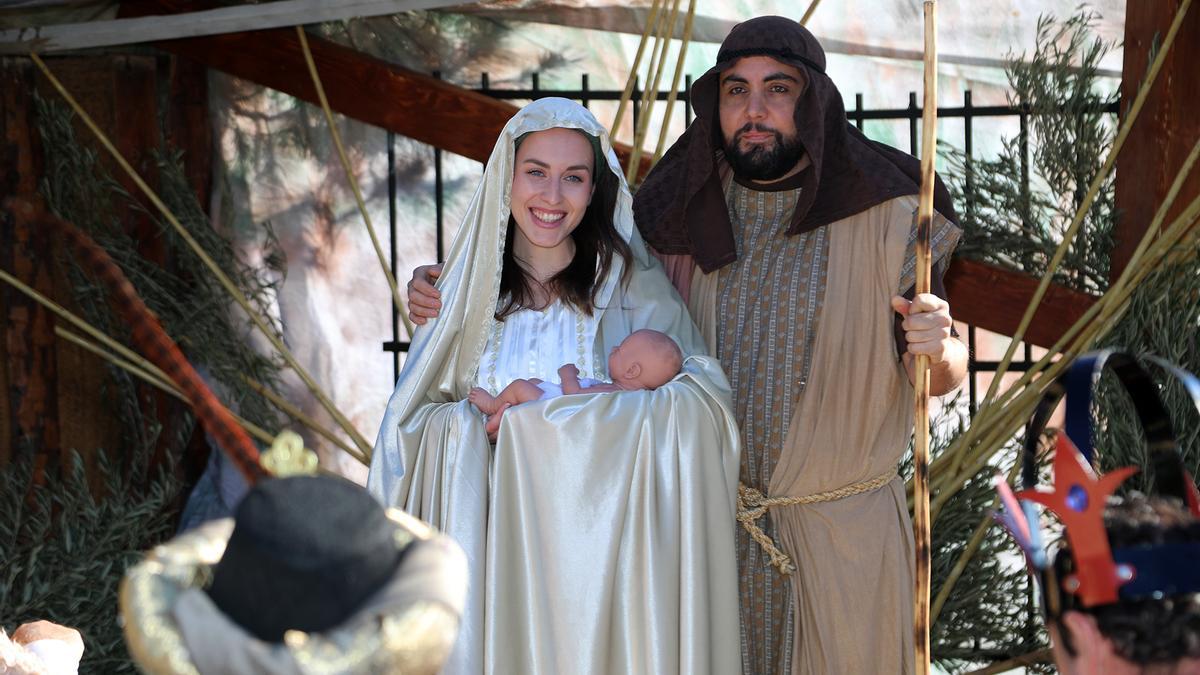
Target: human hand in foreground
point(60, 648)
point(424, 301)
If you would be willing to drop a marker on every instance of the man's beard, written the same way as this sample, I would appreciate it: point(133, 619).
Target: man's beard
point(760, 163)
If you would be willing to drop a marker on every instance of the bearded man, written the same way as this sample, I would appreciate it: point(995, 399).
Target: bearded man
point(790, 234)
point(796, 240)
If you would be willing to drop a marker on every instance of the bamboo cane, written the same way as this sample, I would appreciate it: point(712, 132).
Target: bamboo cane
point(139, 365)
point(1086, 205)
point(221, 277)
point(662, 44)
point(1034, 657)
point(972, 547)
point(295, 413)
point(683, 45)
point(148, 334)
point(1178, 237)
point(86, 327)
point(955, 454)
point(924, 256)
point(812, 7)
point(354, 186)
point(631, 81)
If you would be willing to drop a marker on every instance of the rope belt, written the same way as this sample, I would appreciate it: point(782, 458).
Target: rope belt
point(753, 504)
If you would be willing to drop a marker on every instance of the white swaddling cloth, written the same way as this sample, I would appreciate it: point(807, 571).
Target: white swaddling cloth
point(553, 390)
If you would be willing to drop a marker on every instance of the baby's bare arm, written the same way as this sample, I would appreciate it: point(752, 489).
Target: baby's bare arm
point(568, 375)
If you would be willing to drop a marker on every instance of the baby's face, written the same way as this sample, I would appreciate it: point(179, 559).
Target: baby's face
point(638, 362)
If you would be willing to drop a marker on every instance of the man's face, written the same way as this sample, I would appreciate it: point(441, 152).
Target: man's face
point(757, 111)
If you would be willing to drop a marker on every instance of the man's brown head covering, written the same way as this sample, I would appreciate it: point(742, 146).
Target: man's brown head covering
point(680, 208)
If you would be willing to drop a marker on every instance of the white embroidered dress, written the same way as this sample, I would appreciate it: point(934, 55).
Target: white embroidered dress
point(535, 344)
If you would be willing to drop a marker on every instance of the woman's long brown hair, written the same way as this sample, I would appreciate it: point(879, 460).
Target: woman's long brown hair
point(596, 242)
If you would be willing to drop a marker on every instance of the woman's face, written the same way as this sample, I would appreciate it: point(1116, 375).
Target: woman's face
point(552, 186)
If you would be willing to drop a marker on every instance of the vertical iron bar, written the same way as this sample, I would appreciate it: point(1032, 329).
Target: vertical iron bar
point(439, 190)
point(634, 101)
point(914, 115)
point(583, 88)
point(968, 144)
point(536, 86)
point(391, 184)
point(973, 371)
point(1024, 141)
point(687, 100)
point(858, 110)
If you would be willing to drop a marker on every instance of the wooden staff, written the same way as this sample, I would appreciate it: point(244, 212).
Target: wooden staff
point(921, 426)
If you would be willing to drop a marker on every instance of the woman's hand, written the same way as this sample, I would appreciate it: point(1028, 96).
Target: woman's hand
point(424, 301)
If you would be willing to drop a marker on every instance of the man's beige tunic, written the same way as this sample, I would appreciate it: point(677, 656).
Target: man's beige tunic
point(804, 328)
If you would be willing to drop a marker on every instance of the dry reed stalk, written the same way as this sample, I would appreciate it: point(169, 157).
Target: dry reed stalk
point(1089, 198)
point(354, 186)
point(631, 81)
point(683, 45)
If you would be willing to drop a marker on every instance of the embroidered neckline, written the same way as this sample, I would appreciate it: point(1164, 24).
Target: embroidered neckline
point(497, 340)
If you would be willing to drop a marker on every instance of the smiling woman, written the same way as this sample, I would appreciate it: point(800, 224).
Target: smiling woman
point(560, 239)
point(598, 528)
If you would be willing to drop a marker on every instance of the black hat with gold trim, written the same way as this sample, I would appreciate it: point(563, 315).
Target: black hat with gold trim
point(311, 575)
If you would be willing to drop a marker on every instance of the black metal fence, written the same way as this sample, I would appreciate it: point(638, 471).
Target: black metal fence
point(858, 115)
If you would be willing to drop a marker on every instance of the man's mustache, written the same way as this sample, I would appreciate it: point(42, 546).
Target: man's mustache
point(757, 128)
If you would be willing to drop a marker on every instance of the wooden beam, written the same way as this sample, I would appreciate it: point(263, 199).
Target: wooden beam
point(209, 21)
point(362, 87)
point(358, 86)
point(1167, 128)
point(994, 299)
point(616, 18)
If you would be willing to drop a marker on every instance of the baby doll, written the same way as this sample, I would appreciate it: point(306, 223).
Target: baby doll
point(647, 359)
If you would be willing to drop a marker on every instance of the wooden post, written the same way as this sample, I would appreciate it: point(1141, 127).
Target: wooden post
point(30, 363)
point(188, 127)
point(1168, 126)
